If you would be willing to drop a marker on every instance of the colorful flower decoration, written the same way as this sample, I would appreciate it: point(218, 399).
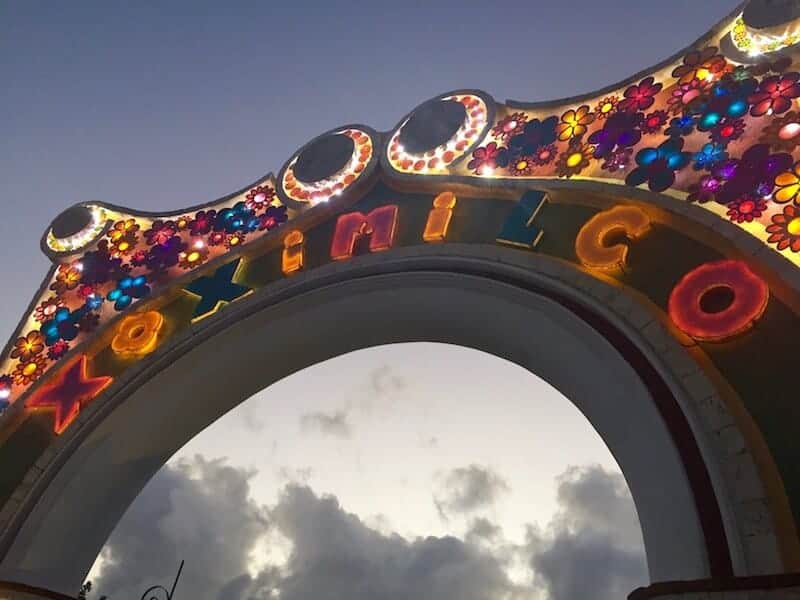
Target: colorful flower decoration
point(488, 158)
point(137, 334)
point(163, 256)
point(746, 209)
point(123, 236)
point(128, 289)
point(160, 232)
point(785, 229)
point(68, 277)
point(63, 326)
point(700, 64)
point(574, 123)
point(195, 255)
point(654, 122)
point(657, 166)
point(29, 371)
point(788, 184)
point(752, 175)
point(574, 160)
point(640, 96)
point(709, 156)
point(509, 125)
point(236, 218)
point(705, 190)
point(28, 346)
point(521, 166)
point(534, 136)
point(621, 130)
point(273, 217)
point(259, 197)
point(232, 240)
point(727, 130)
point(775, 94)
point(57, 350)
point(544, 155)
point(47, 308)
point(203, 222)
point(606, 107)
point(99, 266)
point(680, 126)
point(616, 161)
point(687, 94)
point(783, 133)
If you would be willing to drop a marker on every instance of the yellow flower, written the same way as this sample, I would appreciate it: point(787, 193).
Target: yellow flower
point(574, 123)
point(788, 183)
point(137, 334)
point(25, 348)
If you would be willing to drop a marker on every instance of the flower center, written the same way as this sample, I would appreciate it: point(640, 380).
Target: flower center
point(522, 165)
point(747, 207)
point(510, 126)
point(789, 131)
point(260, 198)
point(30, 369)
point(193, 257)
point(727, 131)
point(606, 108)
point(123, 246)
point(794, 226)
point(573, 160)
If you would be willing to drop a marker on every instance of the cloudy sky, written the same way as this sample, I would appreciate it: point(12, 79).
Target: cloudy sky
point(417, 469)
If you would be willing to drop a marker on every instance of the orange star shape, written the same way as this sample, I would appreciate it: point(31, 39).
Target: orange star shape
point(69, 392)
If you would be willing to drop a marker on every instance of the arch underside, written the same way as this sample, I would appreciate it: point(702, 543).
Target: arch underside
point(464, 297)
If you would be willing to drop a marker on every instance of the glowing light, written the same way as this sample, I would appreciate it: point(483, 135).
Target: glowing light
point(438, 159)
point(73, 389)
point(439, 217)
point(335, 185)
point(718, 300)
point(293, 255)
point(378, 225)
point(199, 244)
point(73, 243)
point(755, 42)
point(519, 230)
point(137, 334)
point(78, 266)
point(789, 131)
point(591, 243)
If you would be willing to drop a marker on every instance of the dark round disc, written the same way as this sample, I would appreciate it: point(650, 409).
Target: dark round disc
point(71, 221)
point(431, 125)
point(323, 158)
point(760, 14)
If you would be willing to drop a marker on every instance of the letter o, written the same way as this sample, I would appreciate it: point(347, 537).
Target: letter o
point(718, 300)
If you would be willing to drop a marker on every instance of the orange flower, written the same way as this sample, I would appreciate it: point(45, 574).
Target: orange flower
point(29, 346)
point(574, 123)
point(29, 370)
point(67, 278)
point(788, 186)
point(137, 334)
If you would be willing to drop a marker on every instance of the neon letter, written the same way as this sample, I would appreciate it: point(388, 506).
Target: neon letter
point(591, 242)
point(718, 300)
point(439, 217)
point(518, 229)
point(379, 225)
point(293, 252)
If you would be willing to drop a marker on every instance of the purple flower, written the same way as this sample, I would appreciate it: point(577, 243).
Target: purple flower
point(753, 175)
point(620, 130)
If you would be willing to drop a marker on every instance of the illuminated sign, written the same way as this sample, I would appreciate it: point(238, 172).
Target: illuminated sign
point(592, 245)
point(293, 254)
point(439, 217)
point(377, 227)
point(519, 229)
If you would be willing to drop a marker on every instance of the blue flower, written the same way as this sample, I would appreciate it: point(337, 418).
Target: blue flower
point(236, 218)
point(127, 289)
point(680, 126)
point(709, 156)
point(63, 326)
point(657, 166)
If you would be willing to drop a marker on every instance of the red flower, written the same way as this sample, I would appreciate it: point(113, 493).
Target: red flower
point(544, 155)
point(785, 229)
point(203, 222)
point(746, 209)
point(775, 94)
point(139, 258)
point(727, 130)
point(259, 197)
point(640, 96)
point(509, 125)
point(488, 158)
point(160, 232)
point(687, 93)
point(654, 121)
point(57, 350)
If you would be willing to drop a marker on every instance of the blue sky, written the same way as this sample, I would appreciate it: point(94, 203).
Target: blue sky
point(158, 105)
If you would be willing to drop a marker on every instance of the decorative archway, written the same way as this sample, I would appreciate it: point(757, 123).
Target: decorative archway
point(637, 247)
